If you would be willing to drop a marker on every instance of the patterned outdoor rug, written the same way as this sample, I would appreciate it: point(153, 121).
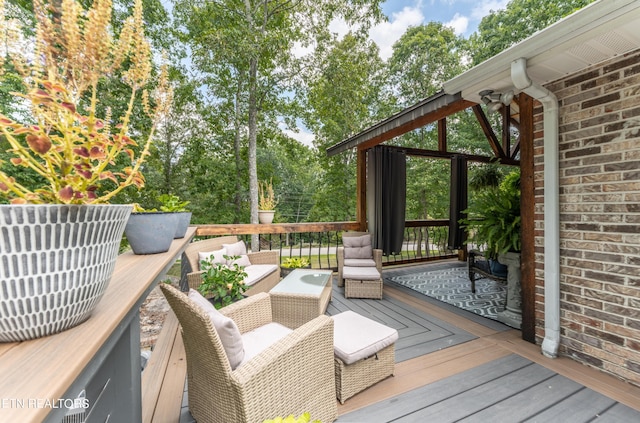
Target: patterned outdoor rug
point(452, 286)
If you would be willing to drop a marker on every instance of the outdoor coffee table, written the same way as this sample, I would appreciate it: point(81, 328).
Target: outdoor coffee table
point(301, 296)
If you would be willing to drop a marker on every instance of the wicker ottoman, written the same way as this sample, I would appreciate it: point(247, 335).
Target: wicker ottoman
point(362, 282)
point(364, 353)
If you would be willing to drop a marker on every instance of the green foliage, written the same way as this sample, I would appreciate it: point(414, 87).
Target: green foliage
point(172, 203)
point(304, 418)
point(493, 220)
point(223, 284)
point(295, 262)
point(521, 18)
point(423, 59)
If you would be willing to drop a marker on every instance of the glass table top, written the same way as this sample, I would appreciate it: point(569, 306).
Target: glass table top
point(304, 281)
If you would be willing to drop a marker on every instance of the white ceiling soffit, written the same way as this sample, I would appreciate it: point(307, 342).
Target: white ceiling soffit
point(596, 33)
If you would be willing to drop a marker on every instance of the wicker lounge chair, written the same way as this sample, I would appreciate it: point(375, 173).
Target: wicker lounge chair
point(361, 276)
point(191, 274)
point(292, 376)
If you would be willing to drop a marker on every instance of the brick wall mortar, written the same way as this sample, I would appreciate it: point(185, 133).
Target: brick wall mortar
point(599, 146)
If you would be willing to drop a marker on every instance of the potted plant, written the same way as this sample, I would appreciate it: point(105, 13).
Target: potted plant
point(266, 202)
point(150, 231)
point(290, 263)
point(172, 204)
point(62, 237)
point(494, 221)
point(222, 284)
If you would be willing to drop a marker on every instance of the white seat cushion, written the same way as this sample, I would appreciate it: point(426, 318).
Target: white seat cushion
point(356, 337)
point(361, 273)
point(257, 272)
point(359, 262)
point(226, 328)
point(261, 338)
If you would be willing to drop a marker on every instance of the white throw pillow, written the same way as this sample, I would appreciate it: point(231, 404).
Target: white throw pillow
point(236, 249)
point(242, 261)
point(225, 327)
point(218, 257)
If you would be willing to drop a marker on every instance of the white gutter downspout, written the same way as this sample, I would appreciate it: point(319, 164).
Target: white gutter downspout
point(551, 204)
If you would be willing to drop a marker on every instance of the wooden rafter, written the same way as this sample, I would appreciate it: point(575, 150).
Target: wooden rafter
point(488, 132)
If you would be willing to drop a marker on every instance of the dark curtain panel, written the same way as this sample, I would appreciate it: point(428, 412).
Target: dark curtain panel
point(390, 198)
point(458, 201)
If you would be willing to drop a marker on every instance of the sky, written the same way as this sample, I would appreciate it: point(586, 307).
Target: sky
point(462, 15)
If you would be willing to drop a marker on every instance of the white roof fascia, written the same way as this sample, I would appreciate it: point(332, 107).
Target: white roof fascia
point(585, 24)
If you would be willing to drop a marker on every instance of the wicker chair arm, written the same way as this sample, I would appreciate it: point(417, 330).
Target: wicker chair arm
point(301, 366)
point(250, 313)
point(264, 257)
point(377, 257)
point(306, 347)
point(194, 279)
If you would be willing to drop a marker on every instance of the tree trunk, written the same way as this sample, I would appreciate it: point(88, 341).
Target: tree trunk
point(236, 150)
point(253, 136)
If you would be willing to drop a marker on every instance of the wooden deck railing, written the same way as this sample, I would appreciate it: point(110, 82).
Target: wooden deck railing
point(424, 240)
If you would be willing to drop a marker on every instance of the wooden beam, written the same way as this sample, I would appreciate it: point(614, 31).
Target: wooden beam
point(527, 214)
point(416, 123)
point(418, 152)
point(442, 134)
point(488, 131)
point(275, 228)
point(361, 188)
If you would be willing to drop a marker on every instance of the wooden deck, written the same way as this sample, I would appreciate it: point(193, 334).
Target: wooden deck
point(456, 366)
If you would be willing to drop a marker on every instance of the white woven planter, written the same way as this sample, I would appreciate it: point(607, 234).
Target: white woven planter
point(56, 261)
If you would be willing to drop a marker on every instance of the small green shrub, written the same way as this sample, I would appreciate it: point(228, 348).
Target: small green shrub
point(295, 262)
point(221, 283)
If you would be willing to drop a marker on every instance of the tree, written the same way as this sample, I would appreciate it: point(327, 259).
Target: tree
point(521, 18)
point(344, 95)
point(246, 50)
point(423, 59)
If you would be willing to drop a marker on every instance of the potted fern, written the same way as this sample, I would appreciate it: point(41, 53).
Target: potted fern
point(494, 221)
point(64, 236)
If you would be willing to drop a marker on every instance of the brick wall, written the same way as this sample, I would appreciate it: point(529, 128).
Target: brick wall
point(599, 216)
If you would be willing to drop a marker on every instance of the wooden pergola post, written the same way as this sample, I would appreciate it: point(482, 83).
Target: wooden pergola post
point(361, 188)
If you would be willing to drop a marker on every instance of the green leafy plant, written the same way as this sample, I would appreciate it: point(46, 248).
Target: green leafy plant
point(78, 156)
point(221, 283)
point(493, 220)
point(172, 203)
point(266, 196)
point(295, 262)
point(304, 418)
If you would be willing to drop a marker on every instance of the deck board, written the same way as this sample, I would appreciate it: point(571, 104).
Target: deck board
point(508, 389)
point(489, 374)
point(419, 333)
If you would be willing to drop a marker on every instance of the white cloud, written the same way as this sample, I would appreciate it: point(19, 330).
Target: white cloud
point(303, 136)
point(459, 23)
point(385, 34)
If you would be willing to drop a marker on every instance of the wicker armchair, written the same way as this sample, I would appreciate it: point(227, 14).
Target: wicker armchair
point(377, 257)
point(294, 375)
point(191, 275)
